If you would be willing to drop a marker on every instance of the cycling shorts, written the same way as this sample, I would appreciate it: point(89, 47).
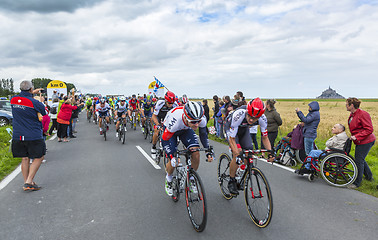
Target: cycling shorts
point(243, 138)
point(89, 107)
point(103, 114)
point(147, 113)
point(187, 136)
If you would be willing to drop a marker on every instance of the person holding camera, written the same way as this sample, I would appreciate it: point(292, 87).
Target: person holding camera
point(27, 139)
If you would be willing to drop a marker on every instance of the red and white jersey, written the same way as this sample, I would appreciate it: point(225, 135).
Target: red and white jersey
point(174, 121)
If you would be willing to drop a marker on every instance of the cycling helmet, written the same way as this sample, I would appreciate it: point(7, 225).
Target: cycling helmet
point(133, 96)
point(255, 108)
point(102, 100)
point(154, 99)
point(122, 98)
point(184, 99)
point(170, 97)
point(148, 98)
point(95, 98)
point(193, 110)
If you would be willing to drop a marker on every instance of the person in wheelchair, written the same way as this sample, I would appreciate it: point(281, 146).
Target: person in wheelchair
point(335, 142)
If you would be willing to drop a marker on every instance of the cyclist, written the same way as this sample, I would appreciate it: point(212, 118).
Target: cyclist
point(88, 104)
point(237, 130)
point(120, 112)
point(182, 122)
point(102, 110)
point(133, 106)
point(146, 111)
point(161, 109)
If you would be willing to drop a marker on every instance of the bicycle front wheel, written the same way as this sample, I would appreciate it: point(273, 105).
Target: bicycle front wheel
point(104, 128)
point(258, 197)
point(224, 175)
point(123, 127)
point(196, 201)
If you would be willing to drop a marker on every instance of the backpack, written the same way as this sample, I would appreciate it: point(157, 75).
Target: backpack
point(53, 110)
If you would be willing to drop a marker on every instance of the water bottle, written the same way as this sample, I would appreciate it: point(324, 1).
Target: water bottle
point(240, 172)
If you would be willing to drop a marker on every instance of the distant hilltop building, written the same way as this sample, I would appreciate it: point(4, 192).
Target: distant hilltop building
point(330, 93)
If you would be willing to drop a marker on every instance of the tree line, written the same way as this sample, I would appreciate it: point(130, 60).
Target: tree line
point(6, 87)
point(43, 82)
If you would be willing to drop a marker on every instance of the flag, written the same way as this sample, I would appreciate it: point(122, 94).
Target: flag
point(158, 84)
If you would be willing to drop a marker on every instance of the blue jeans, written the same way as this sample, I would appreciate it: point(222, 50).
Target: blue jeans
point(314, 154)
point(359, 157)
point(309, 145)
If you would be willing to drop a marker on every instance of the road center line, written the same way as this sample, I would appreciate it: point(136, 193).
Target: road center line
point(148, 158)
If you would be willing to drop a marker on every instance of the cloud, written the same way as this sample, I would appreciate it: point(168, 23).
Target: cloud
point(200, 48)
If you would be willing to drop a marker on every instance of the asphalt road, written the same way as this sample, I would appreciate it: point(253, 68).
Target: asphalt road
point(94, 189)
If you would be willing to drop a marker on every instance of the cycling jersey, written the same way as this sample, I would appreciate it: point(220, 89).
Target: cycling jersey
point(236, 120)
point(120, 108)
point(103, 109)
point(161, 109)
point(174, 126)
point(133, 103)
point(147, 107)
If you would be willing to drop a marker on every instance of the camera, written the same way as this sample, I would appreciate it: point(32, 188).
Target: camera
point(43, 90)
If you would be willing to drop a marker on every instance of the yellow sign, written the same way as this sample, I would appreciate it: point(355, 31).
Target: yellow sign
point(56, 84)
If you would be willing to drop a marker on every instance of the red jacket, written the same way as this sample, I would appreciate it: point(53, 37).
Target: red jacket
point(361, 127)
point(66, 111)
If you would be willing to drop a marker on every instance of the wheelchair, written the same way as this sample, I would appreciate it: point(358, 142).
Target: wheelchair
point(287, 155)
point(335, 166)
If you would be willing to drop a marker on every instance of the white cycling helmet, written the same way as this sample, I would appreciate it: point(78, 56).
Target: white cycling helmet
point(122, 98)
point(193, 110)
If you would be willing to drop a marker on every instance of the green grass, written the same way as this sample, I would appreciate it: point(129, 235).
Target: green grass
point(372, 160)
point(7, 162)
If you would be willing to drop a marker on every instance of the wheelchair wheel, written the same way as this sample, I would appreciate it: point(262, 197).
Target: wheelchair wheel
point(300, 155)
point(338, 169)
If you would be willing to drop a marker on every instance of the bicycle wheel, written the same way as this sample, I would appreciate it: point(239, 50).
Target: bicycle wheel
point(104, 128)
point(338, 169)
point(196, 201)
point(224, 175)
point(176, 187)
point(120, 133)
point(258, 197)
point(146, 130)
point(123, 127)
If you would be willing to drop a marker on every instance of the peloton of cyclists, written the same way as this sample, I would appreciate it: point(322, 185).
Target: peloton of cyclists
point(181, 122)
point(237, 130)
point(102, 110)
point(120, 112)
point(161, 109)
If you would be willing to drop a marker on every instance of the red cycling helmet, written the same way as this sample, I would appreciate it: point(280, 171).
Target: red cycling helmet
point(154, 99)
point(255, 108)
point(170, 97)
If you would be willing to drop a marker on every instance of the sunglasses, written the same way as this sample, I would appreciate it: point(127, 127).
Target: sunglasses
point(194, 121)
point(123, 101)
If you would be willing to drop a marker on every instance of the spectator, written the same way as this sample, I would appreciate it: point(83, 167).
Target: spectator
point(206, 109)
point(274, 121)
point(215, 110)
point(253, 133)
point(297, 136)
point(361, 129)
point(75, 116)
point(63, 119)
point(242, 98)
point(54, 96)
point(311, 121)
point(220, 116)
point(27, 139)
point(61, 96)
point(337, 141)
point(53, 115)
point(235, 102)
point(227, 106)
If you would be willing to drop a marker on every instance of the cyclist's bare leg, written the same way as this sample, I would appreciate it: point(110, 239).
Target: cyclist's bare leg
point(107, 119)
point(195, 158)
point(99, 122)
point(155, 137)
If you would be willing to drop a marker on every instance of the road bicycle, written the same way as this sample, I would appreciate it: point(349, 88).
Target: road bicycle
point(133, 122)
point(122, 130)
point(186, 179)
point(251, 180)
point(148, 130)
point(104, 126)
point(89, 115)
point(160, 153)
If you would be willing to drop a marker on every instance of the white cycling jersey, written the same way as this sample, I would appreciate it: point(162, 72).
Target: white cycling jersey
point(238, 120)
point(174, 121)
point(102, 109)
point(121, 108)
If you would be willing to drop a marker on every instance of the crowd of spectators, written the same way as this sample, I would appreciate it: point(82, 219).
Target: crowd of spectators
point(31, 121)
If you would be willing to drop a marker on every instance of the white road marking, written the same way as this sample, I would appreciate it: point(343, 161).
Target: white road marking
point(278, 165)
point(153, 163)
point(10, 177)
point(53, 137)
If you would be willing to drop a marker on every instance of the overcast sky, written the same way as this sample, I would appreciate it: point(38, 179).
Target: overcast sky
point(265, 48)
